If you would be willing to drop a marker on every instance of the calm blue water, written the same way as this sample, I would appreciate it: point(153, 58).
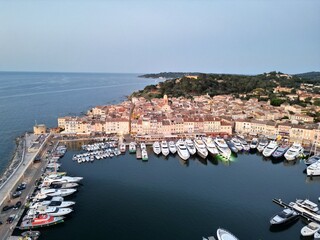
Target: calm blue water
point(123, 198)
point(26, 97)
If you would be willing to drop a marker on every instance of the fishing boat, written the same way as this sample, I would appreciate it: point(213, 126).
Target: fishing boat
point(262, 144)
point(270, 148)
point(286, 216)
point(190, 146)
point(310, 229)
point(223, 234)
point(164, 148)
point(132, 147)
point(223, 147)
point(211, 147)
point(201, 148)
point(172, 147)
point(144, 155)
point(182, 150)
point(294, 151)
point(40, 221)
point(156, 147)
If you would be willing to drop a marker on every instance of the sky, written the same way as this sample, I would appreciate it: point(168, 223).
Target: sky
point(146, 36)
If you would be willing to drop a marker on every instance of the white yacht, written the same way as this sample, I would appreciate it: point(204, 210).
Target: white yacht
point(310, 229)
point(58, 192)
point(59, 204)
point(164, 148)
point(237, 144)
point(223, 234)
point(51, 211)
point(182, 150)
point(262, 144)
point(132, 147)
point(307, 204)
point(123, 148)
point(53, 178)
point(222, 147)
point(254, 143)
point(313, 169)
point(270, 148)
point(144, 155)
point(201, 148)
point(294, 151)
point(156, 148)
point(212, 149)
point(317, 235)
point(172, 147)
point(244, 144)
point(190, 146)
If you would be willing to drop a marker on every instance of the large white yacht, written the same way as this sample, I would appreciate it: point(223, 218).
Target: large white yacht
point(294, 151)
point(237, 144)
point(270, 148)
point(222, 147)
point(182, 150)
point(190, 146)
point(164, 148)
point(313, 169)
point(55, 178)
point(51, 211)
point(262, 144)
point(156, 147)
point(172, 147)
point(58, 192)
point(59, 204)
point(212, 149)
point(201, 148)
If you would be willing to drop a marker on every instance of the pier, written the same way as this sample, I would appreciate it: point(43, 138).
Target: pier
point(26, 171)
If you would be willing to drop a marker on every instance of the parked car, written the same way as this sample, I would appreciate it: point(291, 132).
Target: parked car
point(21, 186)
point(11, 218)
point(16, 194)
point(17, 205)
point(6, 208)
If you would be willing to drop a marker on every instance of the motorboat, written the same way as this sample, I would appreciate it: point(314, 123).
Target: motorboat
point(63, 185)
point(42, 197)
point(313, 169)
point(144, 155)
point(262, 144)
point(143, 146)
point(190, 146)
point(223, 234)
point(201, 148)
point(280, 151)
point(312, 159)
point(294, 151)
point(182, 150)
point(316, 235)
point(132, 147)
point(123, 148)
point(59, 204)
point(244, 144)
point(211, 147)
point(156, 147)
point(310, 229)
point(53, 178)
point(284, 217)
point(222, 147)
point(237, 144)
point(31, 234)
point(209, 238)
point(232, 146)
point(172, 147)
point(254, 143)
point(270, 148)
point(58, 192)
point(51, 211)
point(307, 204)
point(41, 220)
point(164, 148)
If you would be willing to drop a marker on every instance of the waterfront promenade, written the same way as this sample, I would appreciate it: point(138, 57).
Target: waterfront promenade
point(26, 171)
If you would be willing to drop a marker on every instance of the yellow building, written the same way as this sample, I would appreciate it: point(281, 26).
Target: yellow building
point(39, 129)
